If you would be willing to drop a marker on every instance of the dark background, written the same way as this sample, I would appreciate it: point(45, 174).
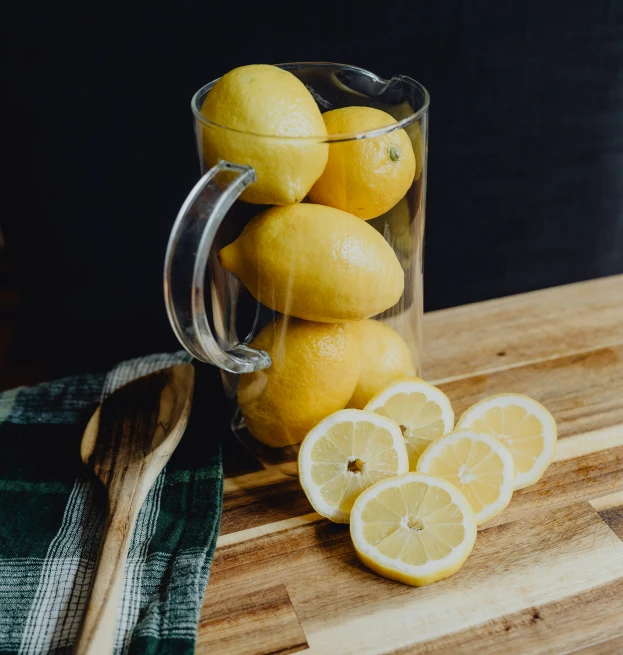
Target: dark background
point(525, 147)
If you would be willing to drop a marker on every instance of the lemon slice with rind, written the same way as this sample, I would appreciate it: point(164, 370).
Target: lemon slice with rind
point(422, 411)
point(479, 465)
point(346, 453)
point(524, 425)
point(413, 528)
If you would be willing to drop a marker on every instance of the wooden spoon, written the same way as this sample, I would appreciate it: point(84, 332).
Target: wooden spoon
point(126, 444)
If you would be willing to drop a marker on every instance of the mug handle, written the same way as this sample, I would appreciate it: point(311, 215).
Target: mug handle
point(185, 265)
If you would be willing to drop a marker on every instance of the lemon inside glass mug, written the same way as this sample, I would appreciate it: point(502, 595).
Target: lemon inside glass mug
point(266, 101)
point(384, 357)
point(365, 177)
point(316, 263)
point(314, 370)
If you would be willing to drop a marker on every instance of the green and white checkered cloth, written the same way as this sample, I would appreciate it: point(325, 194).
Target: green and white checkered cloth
point(51, 523)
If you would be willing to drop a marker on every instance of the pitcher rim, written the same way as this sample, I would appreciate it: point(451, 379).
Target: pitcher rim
point(368, 134)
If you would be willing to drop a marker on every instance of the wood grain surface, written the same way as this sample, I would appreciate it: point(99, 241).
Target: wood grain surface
point(545, 577)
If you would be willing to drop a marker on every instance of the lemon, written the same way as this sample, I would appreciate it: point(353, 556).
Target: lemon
point(314, 370)
point(365, 177)
point(524, 425)
point(395, 226)
point(414, 130)
point(259, 104)
point(316, 263)
point(413, 528)
point(477, 464)
point(422, 411)
point(345, 454)
point(415, 134)
point(384, 357)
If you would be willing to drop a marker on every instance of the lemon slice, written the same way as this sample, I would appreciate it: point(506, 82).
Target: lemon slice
point(346, 453)
point(413, 528)
point(524, 425)
point(478, 464)
point(422, 411)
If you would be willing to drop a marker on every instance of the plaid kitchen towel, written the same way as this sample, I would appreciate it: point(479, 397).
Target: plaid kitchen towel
point(51, 522)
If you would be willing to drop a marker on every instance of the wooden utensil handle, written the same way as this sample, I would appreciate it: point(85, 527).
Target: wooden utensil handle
point(98, 629)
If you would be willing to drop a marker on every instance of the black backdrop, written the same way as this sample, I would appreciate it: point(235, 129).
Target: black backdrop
point(525, 150)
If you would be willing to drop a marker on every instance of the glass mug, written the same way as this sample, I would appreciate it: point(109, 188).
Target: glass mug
point(309, 273)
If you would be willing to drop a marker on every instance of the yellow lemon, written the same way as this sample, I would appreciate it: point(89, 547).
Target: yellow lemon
point(413, 528)
point(365, 177)
point(395, 226)
point(314, 370)
point(422, 411)
point(384, 357)
point(414, 130)
point(259, 104)
point(316, 263)
point(524, 425)
point(346, 453)
point(477, 464)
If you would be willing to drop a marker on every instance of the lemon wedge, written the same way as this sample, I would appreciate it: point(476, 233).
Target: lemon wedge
point(422, 411)
point(524, 425)
point(478, 465)
point(346, 453)
point(413, 528)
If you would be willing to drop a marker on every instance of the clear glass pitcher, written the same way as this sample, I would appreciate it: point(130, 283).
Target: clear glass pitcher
point(291, 251)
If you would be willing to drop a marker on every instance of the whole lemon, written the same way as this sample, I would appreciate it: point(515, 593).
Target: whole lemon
point(365, 177)
point(395, 226)
point(314, 371)
point(384, 357)
point(259, 104)
point(316, 263)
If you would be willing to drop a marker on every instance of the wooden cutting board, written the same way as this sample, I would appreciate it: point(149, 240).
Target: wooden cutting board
point(544, 577)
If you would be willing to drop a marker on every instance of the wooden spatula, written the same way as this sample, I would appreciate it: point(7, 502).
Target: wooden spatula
point(126, 444)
